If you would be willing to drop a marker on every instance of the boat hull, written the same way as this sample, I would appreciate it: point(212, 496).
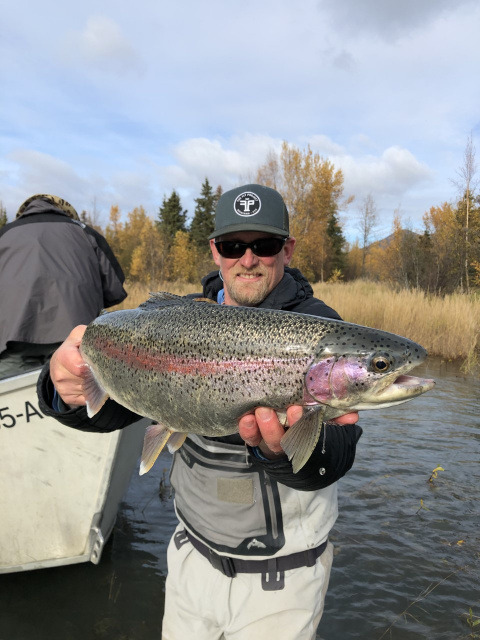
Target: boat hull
point(60, 488)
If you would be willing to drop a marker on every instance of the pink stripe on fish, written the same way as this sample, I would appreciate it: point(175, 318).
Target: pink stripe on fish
point(142, 359)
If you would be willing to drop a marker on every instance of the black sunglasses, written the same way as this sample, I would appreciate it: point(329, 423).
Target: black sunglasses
point(263, 247)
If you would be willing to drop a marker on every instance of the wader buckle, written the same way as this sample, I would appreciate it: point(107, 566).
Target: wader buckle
point(222, 563)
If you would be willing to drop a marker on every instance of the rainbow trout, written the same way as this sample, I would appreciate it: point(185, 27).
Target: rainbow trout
point(195, 367)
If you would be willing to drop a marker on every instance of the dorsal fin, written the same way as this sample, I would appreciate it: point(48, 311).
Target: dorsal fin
point(161, 299)
point(209, 300)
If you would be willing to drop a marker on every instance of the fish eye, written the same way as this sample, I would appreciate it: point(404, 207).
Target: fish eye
point(381, 363)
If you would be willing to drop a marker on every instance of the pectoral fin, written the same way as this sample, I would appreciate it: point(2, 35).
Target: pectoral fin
point(94, 394)
point(156, 437)
point(300, 440)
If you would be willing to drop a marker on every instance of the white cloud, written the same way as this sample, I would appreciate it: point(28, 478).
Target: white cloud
point(130, 189)
point(324, 146)
point(224, 162)
point(394, 172)
point(34, 172)
point(102, 46)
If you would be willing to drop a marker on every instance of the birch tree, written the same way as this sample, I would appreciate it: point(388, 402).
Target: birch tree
point(467, 183)
point(367, 222)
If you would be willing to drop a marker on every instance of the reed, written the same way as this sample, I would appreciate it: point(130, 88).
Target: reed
point(448, 327)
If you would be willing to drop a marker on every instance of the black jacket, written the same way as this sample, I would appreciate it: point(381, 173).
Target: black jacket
point(55, 273)
point(293, 293)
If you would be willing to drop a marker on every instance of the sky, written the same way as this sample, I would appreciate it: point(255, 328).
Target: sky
point(118, 103)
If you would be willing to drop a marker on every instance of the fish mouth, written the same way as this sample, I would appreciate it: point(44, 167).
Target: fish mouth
point(406, 387)
point(409, 382)
point(402, 389)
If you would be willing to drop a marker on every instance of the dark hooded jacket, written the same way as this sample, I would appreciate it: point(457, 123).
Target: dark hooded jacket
point(55, 273)
point(334, 454)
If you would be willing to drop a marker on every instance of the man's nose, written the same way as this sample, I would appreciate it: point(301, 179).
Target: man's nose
point(249, 259)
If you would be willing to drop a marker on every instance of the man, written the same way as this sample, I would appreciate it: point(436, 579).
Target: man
point(250, 558)
point(55, 273)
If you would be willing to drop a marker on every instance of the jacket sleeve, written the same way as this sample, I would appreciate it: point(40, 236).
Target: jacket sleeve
point(110, 270)
point(331, 459)
point(111, 416)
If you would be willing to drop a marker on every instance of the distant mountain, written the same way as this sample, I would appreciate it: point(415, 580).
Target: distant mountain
point(383, 244)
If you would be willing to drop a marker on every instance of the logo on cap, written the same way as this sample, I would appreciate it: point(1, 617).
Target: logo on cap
point(247, 204)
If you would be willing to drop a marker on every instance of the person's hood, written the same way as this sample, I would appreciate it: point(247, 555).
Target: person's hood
point(43, 203)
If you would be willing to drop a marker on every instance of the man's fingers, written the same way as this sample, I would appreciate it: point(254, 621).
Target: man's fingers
point(67, 368)
point(70, 356)
point(249, 431)
point(348, 418)
point(294, 413)
point(270, 427)
point(76, 334)
point(262, 429)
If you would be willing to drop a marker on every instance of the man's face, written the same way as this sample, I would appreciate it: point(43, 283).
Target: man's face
point(248, 280)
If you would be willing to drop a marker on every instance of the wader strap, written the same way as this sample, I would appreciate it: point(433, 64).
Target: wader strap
point(180, 538)
point(273, 568)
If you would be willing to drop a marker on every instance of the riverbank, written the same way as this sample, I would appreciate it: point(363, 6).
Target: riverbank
point(447, 327)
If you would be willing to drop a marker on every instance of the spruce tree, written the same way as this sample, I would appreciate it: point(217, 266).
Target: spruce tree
point(337, 243)
point(204, 218)
point(3, 215)
point(171, 217)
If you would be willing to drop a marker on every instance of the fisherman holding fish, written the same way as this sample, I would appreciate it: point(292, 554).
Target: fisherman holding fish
point(255, 493)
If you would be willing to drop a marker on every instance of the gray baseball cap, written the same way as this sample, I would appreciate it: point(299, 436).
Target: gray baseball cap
point(251, 207)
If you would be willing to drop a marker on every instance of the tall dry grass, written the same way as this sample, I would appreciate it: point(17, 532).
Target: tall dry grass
point(448, 327)
point(138, 292)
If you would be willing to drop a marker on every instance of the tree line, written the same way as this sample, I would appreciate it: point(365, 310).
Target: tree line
point(165, 248)
point(441, 258)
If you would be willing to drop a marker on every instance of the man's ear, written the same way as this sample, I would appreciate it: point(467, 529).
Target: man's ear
point(288, 250)
point(215, 254)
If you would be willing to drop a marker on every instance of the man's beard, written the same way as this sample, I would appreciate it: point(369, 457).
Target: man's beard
point(245, 295)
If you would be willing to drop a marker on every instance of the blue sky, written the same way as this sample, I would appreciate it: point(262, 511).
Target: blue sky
point(119, 102)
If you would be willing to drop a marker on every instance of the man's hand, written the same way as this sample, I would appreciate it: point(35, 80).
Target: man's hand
point(264, 430)
point(67, 369)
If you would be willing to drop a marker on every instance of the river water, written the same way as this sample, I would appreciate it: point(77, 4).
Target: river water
point(407, 550)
